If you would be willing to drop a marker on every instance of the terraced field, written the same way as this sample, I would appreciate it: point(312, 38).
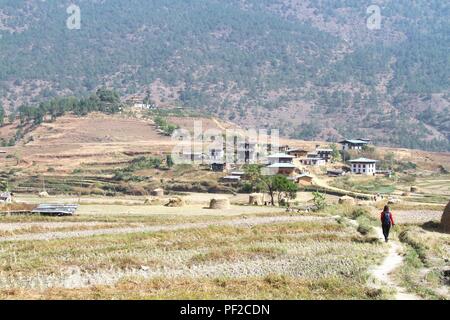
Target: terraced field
point(270, 256)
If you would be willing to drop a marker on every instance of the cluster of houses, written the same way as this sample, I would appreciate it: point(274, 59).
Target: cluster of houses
point(285, 161)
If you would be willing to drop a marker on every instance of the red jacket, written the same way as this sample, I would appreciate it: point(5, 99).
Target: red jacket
point(382, 218)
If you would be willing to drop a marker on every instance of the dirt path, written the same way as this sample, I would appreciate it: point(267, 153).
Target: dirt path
point(249, 222)
point(383, 272)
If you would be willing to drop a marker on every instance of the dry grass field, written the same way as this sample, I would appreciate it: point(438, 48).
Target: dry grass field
point(270, 257)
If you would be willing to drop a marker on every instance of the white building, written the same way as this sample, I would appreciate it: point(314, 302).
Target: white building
point(313, 161)
point(5, 197)
point(280, 158)
point(364, 166)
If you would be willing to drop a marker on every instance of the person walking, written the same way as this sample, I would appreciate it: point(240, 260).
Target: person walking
point(387, 221)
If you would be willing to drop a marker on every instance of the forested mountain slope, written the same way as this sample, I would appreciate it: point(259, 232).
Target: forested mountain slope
point(311, 68)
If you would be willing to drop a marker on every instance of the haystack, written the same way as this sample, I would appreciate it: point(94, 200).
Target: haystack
point(175, 202)
point(221, 204)
point(393, 200)
point(347, 200)
point(414, 189)
point(43, 194)
point(256, 199)
point(152, 201)
point(445, 221)
point(158, 192)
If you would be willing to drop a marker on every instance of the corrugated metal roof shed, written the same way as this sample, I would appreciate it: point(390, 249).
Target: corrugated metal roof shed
point(56, 209)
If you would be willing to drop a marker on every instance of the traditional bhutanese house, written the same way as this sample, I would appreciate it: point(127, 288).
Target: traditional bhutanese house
point(298, 153)
point(303, 179)
point(364, 166)
point(353, 144)
point(280, 158)
point(5, 197)
point(325, 154)
point(285, 169)
point(312, 161)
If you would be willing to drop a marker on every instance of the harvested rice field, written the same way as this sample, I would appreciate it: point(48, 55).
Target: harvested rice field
point(249, 257)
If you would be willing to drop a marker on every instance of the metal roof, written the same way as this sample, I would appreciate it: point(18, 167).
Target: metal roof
point(280, 155)
point(363, 160)
point(56, 209)
point(282, 165)
point(356, 141)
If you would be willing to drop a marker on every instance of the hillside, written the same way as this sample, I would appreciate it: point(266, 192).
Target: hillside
point(304, 67)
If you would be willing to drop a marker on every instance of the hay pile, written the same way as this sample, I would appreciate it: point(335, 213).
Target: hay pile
point(256, 199)
point(445, 221)
point(158, 192)
point(347, 200)
point(152, 202)
point(43, 194)
point(175, 203)
point(220, 204)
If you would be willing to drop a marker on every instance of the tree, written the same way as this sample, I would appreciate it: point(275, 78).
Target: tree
point(2, 115)
point(286, 189)
point(335, 155)
point(253, 176)
point(280, 185)
point(169, 161)
point(319, 200)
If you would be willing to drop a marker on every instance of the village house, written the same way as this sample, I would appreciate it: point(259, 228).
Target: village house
point(325, 154)
point(354, 144)
point(5, 197)
point(303, 179)
point(312, 162)
point(364, 166)
point(281, 163)
point(280, 158)
point(285, 169)
point(297, 152)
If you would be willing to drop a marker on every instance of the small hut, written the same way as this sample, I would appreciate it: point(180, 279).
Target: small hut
point(445, 221)
point(43, 194)
point(219, 204)
point(347, 200)
point(5, 197)
point(256, 199)
point(158, 192)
